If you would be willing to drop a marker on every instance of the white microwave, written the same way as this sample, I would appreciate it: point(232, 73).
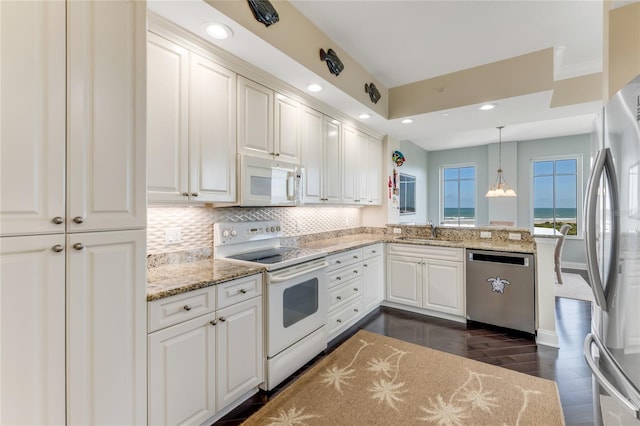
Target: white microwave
point(266, 182)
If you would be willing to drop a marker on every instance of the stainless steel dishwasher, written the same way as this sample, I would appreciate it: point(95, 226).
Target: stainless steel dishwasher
point(501, 289)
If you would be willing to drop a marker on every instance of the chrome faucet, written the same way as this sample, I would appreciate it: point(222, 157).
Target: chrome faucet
point(433, 228)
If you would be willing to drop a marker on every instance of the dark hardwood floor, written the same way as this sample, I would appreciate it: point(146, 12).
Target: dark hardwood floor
point(482, 343)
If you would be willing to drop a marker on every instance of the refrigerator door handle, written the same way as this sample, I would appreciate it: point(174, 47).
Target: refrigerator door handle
point(590, 218)
point(614, 259)
point(602, 380)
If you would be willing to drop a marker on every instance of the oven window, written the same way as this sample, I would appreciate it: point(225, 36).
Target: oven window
point(300, 302)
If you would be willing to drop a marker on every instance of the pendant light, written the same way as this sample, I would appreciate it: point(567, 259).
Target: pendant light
point(500, 187)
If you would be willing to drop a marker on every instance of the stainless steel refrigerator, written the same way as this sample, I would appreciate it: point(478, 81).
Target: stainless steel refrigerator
point(612, 236)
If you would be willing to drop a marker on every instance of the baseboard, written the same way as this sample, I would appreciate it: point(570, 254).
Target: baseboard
point(574, 265)
point(547, 338)
point(423, 311)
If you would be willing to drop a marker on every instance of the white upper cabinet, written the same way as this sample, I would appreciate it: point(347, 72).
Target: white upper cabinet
point(311, 129)
point(268, 123)
point(191, 122)
point(106, 181)
point(167, 120)
point(32, 125)
point(361, 168)
point(374, 171)
point(332, 148)
point(212, 131)
point(350, 152)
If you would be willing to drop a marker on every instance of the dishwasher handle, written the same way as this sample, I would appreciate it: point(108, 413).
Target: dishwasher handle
point(498, 258)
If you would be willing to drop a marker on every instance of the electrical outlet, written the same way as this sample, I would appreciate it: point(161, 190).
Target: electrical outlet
point(397, 230)
point(485, 234)
point(514, 236)
point(172, 235)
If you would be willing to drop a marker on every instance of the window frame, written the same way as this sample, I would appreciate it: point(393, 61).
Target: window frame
point(579, 190)
point(475, 198)
point(400, 195)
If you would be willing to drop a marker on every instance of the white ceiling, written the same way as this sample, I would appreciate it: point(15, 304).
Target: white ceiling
point(402, 42)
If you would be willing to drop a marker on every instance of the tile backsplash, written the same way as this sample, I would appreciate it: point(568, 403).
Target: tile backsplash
point(196, 223)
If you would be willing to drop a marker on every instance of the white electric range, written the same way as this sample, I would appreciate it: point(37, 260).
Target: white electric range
point(295, 292)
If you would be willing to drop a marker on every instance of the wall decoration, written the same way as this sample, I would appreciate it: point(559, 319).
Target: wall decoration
point(264, 11)
point(373, 92)
point(398, 158)
point(333, 62)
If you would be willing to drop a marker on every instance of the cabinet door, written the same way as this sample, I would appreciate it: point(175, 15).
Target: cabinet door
point(255, 118)
point(311, 129)
point(106, 115)
point(331, 156)
point(350, 152)
point(182, 372)
point(240, 351)
point(373, 287)
point(106, 328)
point(32, 134)
point(286, 132)
point(444, 287)
point(212, 131)
point(32, 322)
point(363, 164)
point(404, 280)
point(374, 175)
point(167, 121)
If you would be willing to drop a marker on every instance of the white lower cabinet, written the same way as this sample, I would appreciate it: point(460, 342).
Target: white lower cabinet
point(32, 329)
point(182, 372)
point(199, 367)
point(373, 273)
point(426, 277)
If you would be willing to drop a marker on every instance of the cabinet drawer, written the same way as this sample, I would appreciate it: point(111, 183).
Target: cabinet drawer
point(343, 293)
point(343, 259)
point(181, 307)
point(343, 317)
point(344, 274)
point(372, 250)
point(239, 290)
point(429, 252)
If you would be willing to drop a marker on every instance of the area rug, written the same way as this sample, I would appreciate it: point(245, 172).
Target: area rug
point(376, 380)
point(573, 287)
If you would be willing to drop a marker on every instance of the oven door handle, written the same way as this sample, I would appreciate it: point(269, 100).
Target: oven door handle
point(281, 278)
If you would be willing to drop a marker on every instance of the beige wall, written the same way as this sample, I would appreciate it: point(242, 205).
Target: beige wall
point(622, 47)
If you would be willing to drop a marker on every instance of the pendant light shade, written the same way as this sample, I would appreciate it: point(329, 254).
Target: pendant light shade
point(500, 187)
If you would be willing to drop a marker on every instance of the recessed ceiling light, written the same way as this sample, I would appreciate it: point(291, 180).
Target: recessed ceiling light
point(334, 121)
point(407, 121)
point(364, 116)
point(314, 87)
point(218, 31)
point(487, 107)
point(444, 114)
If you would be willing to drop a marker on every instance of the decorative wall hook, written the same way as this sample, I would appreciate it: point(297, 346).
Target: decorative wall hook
point(333, 62)
point(264, 11)
point(373, 92)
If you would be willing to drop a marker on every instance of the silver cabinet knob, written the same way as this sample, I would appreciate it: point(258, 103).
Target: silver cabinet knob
point(214, 322)
point(355, 272)
point(194, 194)
point(355, 257)
point(338, 320)
point(277, 154)
point(57, 220)
point(339, 297)
point(78, 246)
point(356, 310)
point(185, 194)
point(373, 251)
point(187, 307)
point(338, 278)
point(57, 248)
point(243, 291)
point(338, 262)
point(78, 219)
point(355, 289)
point(222, 319)
point(365, 265)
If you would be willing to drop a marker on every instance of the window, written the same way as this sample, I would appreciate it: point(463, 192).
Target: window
point(407, 194)
point(459, 196)
point(555, 194)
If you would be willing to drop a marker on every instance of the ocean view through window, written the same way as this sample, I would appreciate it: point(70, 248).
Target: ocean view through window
point(458, 196)
point(555, 194)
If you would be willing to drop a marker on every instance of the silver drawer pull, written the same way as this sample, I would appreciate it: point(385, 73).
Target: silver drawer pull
point(365, 265)
point(339, 297)
point(356, 310)
point(355, 289)
point(338, 262)
point(187, 307)
point(373, 251)
point(243, 291)
point(355, 257)
point(338, 320)
point(355, 272)
point(338, 278)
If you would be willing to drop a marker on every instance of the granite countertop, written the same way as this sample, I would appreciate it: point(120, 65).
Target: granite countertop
point(340, 244)
point(168, 280)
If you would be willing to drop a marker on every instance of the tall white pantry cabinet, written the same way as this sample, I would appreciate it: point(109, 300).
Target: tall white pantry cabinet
point(72, 212)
